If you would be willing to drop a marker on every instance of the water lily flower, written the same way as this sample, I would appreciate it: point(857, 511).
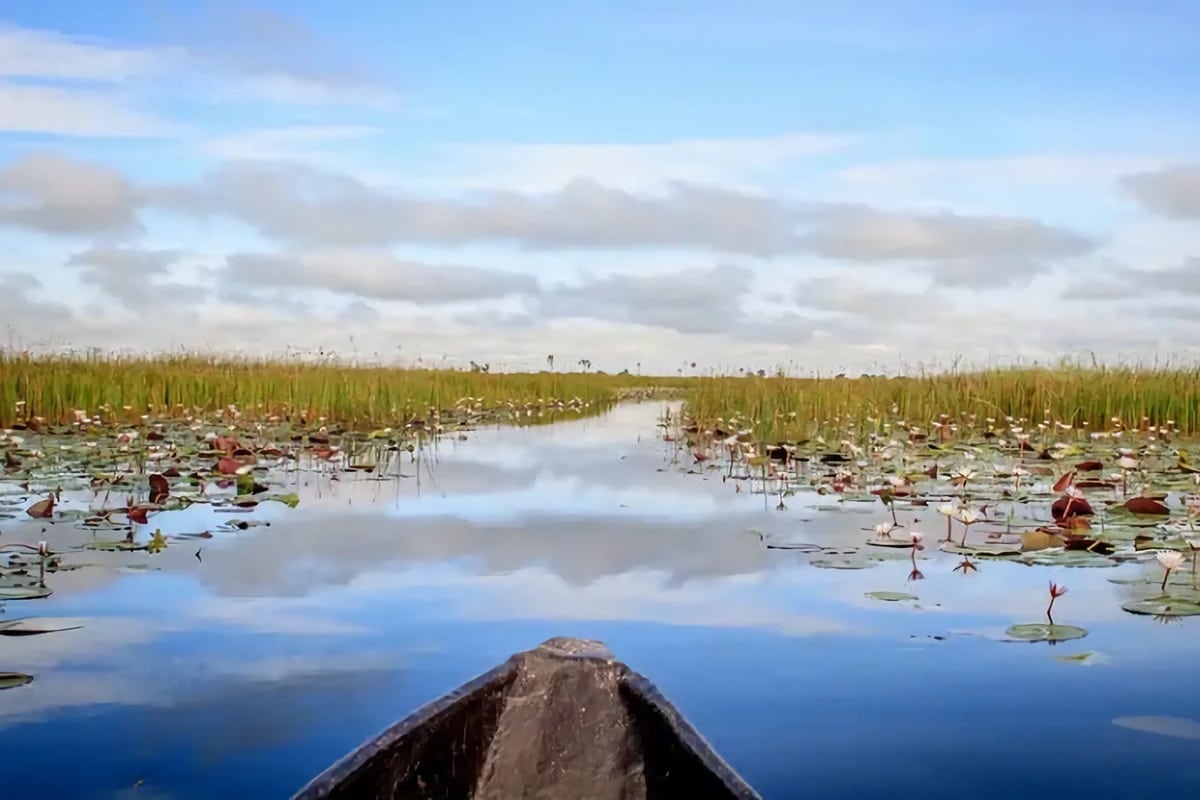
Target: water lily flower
point(917, 538)
point(1169, 560)
point(884, 530)
point(948, 510)
point(1056, 591)
point(1127, 462)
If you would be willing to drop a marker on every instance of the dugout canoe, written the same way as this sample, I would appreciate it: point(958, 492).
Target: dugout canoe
point(563, 720)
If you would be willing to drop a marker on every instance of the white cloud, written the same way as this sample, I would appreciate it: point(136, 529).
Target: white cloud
point(74, 112)
point(32, 53)
point(733, 163)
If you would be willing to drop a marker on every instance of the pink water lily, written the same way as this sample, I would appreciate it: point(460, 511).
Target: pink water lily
point(1056, 591)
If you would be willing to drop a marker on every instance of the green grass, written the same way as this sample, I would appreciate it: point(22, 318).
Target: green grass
point(775, 407)
point(791, 408)
point(53, 388)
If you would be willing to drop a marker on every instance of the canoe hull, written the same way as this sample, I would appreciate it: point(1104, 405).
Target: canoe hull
point(564, 720)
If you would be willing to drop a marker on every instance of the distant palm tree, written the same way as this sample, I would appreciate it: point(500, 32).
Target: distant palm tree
point(550, 361)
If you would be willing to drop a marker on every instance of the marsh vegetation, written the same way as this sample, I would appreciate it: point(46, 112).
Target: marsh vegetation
point(908, 495)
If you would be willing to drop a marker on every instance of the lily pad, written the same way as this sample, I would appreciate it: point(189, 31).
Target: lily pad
point(32, 626)
point(290, 500)
point(892, 597)
point(1068, 558)
point(1177, 727)
point(11, 680)
point(1044, 632)
point(1085, 659)
point(841, 563)
point(884, 542)
point(990, 549)
point(24, 592)
point(1163, 606)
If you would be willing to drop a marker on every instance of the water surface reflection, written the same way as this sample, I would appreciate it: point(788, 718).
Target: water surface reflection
point(244, 671)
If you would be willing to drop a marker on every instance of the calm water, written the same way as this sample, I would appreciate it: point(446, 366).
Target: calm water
point(246, 672)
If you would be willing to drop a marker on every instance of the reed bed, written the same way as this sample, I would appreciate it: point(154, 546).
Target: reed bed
point(1083, 397)
point(55, 387)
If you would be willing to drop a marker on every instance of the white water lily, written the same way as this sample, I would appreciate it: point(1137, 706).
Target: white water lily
point(1169, 559)
point(884, 530)
point(947, 509)
point(968, 516)
point(1127, 462)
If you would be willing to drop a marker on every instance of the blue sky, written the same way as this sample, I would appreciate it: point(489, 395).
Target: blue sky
point(837, 187)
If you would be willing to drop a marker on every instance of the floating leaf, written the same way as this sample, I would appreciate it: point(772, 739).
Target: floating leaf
point(1084, 659)
point(995, 549)
point(291, 500)
point(885, 542)
point(1163, 606)
point(42, 509)
point(1067, 506)
point(841, 563)
point(1040, 539)
point(1177, 727)
point(1044, 632)
point(24, 592)
point(32, 626)
point(160, 489)
point(11, 680)
point(891, 597)
point(1146, 505)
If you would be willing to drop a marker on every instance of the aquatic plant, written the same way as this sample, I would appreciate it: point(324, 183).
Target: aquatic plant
point(59, 389)
point(1056, 591)
point(1069, 399)
point(1169, 560)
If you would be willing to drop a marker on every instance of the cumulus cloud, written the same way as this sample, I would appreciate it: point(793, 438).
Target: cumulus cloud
point(957, 249)
point(1172, 191)
point(303, 204)
point(58, 194)
point(1126, 282)
point(375, 275)
point(132, 275)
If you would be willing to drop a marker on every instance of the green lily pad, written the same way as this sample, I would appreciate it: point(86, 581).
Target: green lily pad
point(996, 550)
point(290, 500)
point(1163, 606)
point(11, 680)
point(841, 563)
point(1069, 558)
point(882, 542)
point(892, 597)
point(1085, 659)
point(24, 592)
point(32, 626)
point(1044, 632)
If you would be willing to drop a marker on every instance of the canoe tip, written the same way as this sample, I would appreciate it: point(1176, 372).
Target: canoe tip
point(570, 647)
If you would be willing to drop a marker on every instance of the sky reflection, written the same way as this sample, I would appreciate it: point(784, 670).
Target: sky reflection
point(248, 670)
